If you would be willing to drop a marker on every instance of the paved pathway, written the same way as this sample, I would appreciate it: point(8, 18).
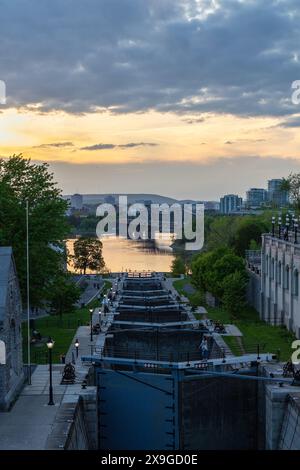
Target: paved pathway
point(91, 291)
point(30, 422)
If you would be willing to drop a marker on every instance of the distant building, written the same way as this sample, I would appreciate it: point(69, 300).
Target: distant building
point(256, 197)
point(230, 203)
point(277, 196)
point(11, 373)
point(76, 201)
point(211, 205)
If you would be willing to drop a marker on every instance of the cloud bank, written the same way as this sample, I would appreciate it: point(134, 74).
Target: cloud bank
point(182, 56)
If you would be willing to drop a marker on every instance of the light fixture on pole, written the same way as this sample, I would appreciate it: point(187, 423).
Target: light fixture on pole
point(50, 344)
point(273, 226)
point(27, 293)
point(279, 227)
point(77, 347)
point(91, 322)
point(287, 224)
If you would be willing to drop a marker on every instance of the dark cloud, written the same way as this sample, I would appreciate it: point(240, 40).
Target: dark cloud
point(194, 120)
point(55, 145)
point(291, 122)
point(99, 147)
point(121, 146)
point(231, 142)
point(135, 55)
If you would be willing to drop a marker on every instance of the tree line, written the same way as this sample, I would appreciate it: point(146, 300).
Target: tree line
point(23, 181)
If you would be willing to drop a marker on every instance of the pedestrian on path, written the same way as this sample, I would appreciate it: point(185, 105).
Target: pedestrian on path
point(204, 348)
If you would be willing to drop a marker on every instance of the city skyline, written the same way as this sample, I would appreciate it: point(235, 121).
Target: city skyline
point(189, 99)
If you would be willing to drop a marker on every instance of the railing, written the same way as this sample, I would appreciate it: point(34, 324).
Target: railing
point(177, 356)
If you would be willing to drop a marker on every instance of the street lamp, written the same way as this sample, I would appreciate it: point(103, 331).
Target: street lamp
point(50, 344)
point(77, 347)
point(279, 227)
point(91, 321)
point(286, 231)
point(273, 226)
point(296, 231)
point(27, 292)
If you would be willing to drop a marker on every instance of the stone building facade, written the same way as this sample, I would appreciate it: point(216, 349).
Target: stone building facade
point(11, 373)
point(280, 290)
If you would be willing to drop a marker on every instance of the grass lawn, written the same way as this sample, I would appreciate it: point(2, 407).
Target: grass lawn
point(62, 330)
point(270, 338)
point(196, 298)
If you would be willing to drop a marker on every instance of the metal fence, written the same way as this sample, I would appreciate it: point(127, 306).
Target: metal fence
point(184, 355)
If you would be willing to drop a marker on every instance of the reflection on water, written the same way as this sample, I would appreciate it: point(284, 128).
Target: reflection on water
point(120, 255)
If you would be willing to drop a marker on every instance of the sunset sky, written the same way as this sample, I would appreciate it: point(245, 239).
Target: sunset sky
point(185, 98)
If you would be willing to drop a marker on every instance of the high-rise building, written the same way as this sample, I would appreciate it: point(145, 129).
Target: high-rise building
point(277, 196)
point(230, 203)
point(255, 197)
point(76, 201)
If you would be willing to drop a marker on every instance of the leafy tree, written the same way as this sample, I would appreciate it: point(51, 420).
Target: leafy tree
point(202, 268)
point(88, 254)
point(292, 185)
point(215, 270)
point(249, 229)
point(221, 232)
point(178, 266)
point(63, 294)
point(22, 180)
point(254, 245)
point(234, 292)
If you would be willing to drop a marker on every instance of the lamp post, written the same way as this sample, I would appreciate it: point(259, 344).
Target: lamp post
point(279, 227)
point(27, 292)
point(287, 221)
point(50, 344)
point(91, 321)
point(296, 231)
point(294, 220)
point(273, 226)
point(77, 347)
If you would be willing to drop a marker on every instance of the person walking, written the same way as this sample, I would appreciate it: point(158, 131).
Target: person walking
point(204, 348)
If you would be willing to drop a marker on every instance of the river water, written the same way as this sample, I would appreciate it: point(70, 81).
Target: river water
point(121, 254)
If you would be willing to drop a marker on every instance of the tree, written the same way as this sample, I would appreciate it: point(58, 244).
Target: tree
point(88, 254)
point(254, 245)
point(234, 292)
point(216, 270)
point(292, 185)
point(221, 232)
point(178, 266)
point(249, 229)
point(202, 268)
point(63, 294)
point(22, 180)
